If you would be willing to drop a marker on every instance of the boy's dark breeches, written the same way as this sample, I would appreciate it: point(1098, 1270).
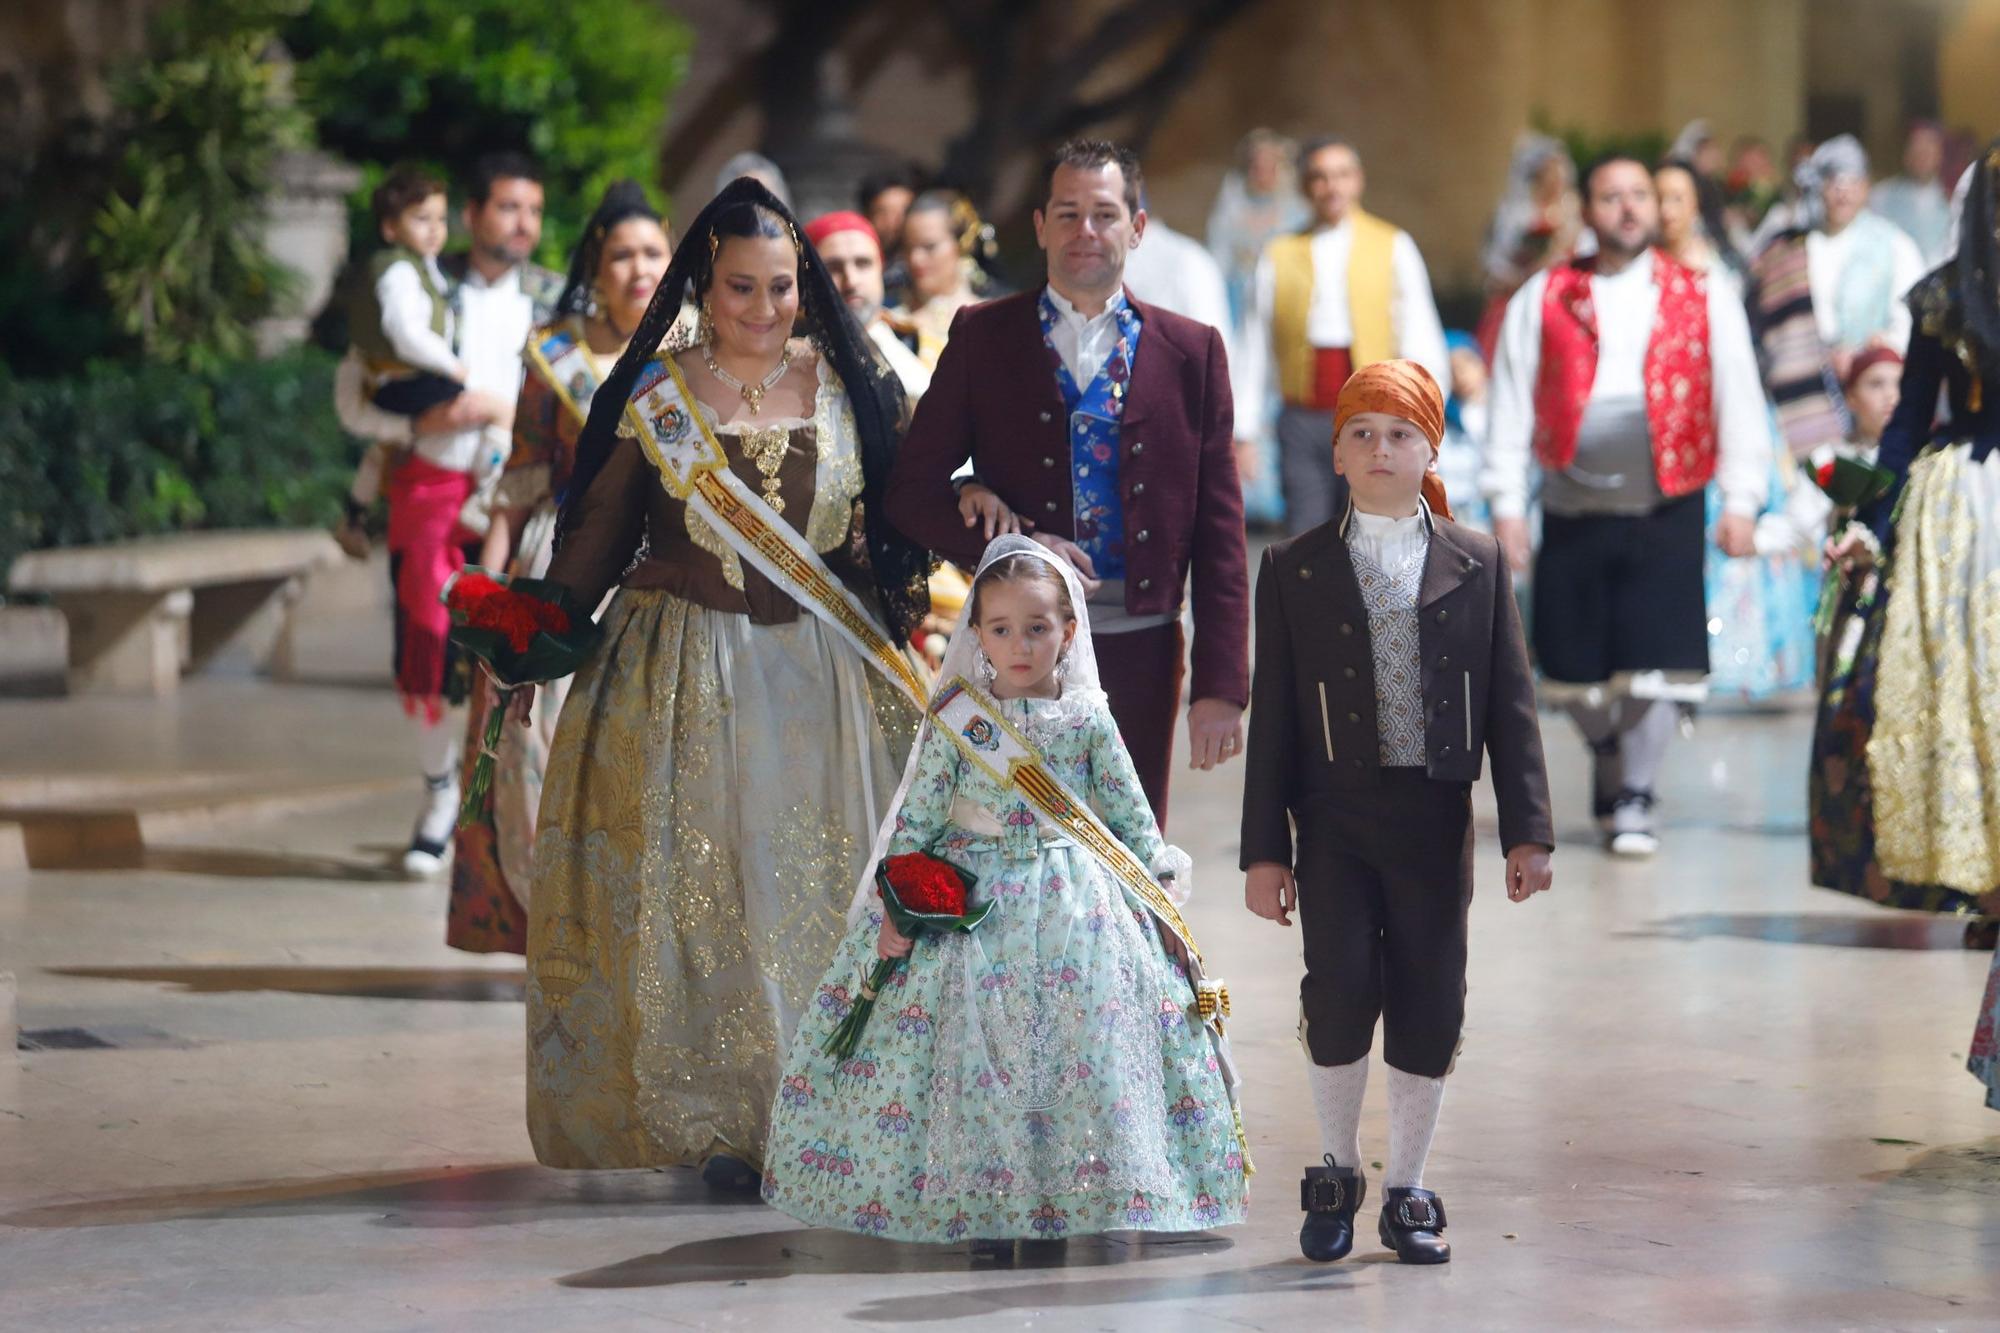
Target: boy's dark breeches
point(1385, 880)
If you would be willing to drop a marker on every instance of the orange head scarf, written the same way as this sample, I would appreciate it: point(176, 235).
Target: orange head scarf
point(1400, 389)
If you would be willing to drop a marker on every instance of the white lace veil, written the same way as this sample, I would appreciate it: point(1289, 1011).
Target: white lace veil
point(1079, 675)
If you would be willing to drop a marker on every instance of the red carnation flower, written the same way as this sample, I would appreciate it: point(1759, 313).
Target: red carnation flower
point(926, 884)
point(485, 604)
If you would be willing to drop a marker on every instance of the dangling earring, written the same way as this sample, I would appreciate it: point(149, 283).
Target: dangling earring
point(598, 305)
point(983, 664)
point(704, 330)
point(1062, 669)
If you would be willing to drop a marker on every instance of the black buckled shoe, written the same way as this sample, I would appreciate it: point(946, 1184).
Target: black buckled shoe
point(1411, 1221)
point(1330, 1195)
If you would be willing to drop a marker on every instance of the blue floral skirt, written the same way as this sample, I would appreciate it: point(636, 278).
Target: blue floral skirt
point(1041, 1077)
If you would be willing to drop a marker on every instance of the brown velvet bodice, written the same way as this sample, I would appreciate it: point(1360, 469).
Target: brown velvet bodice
point(628, 503)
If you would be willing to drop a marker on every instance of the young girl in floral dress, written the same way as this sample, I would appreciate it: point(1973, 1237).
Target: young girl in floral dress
point(1048, 1073)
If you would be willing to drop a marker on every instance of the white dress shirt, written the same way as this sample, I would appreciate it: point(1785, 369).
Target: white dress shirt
point(1329, 323)
point(1176, 272)
point(1827, 258)
point(495, 319)
point(406, 318)
point(1627, 303)
point(1085, 342)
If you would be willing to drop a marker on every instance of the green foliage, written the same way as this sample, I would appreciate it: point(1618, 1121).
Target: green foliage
point(1587, 145)
point(131, 450)
point(178, 242)
point(52, 303)
point(581, 87)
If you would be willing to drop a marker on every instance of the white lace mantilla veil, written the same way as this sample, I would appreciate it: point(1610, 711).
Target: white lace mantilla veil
point(1080, 684)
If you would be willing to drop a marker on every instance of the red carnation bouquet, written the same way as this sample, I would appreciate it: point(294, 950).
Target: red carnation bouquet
point(1851, 482)
point(521, 631)
point(919, 893)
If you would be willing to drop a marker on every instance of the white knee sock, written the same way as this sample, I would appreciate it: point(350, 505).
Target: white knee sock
point(1337, 1092)
point(439, 748)
point(1648, 733)
point(439, 744)
point(1414, 1102)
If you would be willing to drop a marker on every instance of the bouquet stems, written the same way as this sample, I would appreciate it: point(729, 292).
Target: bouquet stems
point(474, 805)
point(848, 1035)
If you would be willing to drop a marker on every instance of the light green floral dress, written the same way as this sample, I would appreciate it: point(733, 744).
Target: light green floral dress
point(1041, 1077)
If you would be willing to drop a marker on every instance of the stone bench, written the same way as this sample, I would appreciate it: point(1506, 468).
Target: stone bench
point(142, 612)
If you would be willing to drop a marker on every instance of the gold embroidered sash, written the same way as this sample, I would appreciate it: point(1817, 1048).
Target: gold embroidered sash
point(695, 469)
point(993, 745)
point(559, 356)
point(996, 747)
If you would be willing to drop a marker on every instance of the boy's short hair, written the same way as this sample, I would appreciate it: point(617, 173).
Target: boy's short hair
point(405, 187)
point(498, 167)
point(1091, 155)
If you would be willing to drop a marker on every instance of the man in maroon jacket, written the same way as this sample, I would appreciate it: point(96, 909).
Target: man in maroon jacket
point(1101, 426)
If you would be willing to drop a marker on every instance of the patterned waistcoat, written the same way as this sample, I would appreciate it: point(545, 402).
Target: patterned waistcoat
point(1096, 414)
point(1679, 380)
point(1390, 597)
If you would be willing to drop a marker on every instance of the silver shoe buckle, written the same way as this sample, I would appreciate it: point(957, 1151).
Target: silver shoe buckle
point(1431, 1218)
point(1325, 1195)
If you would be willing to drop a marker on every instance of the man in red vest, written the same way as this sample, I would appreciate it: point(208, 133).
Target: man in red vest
point(1629, 379)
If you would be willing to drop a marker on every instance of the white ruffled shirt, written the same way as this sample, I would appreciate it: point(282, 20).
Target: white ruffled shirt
point(1387, 541)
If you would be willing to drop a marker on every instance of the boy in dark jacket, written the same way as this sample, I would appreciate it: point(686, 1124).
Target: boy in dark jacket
point(1389, 654)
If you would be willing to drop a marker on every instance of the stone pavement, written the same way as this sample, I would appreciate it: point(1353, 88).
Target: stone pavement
point(1695, 1093)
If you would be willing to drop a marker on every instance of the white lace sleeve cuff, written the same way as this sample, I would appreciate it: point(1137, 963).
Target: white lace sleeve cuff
point(1174, 869)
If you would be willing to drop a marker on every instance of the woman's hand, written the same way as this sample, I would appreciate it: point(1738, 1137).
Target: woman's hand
point(1528, 871)
point(1270, 891)
point(892, 943)
point(977, 504)
point(1850, 553)
point(521, 705)
point(1174, 948)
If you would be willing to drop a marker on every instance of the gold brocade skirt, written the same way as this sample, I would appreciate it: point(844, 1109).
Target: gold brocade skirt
point(711, 798)
point(1934, 757)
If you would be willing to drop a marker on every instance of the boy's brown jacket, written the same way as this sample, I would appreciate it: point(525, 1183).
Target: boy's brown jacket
point(1312, 701)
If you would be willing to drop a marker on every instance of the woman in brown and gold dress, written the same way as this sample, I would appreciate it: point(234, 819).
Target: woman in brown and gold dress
point(722, 763)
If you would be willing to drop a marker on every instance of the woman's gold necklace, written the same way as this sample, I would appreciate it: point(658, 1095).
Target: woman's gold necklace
point(753, 394)
point(764, 447)
point(767, 447)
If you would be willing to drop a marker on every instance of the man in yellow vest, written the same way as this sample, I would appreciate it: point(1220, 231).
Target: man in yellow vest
point(1345, 293)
